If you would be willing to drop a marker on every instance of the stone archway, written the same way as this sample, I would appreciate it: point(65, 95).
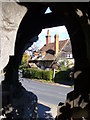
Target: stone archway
point(76, 19)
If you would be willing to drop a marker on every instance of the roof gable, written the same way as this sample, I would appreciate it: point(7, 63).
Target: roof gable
point(50, 46)
point(50, 52)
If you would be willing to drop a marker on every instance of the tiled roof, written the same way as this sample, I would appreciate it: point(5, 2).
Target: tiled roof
point(67, 49)
point(51, 46)
point(49, 49)
point(49, 57)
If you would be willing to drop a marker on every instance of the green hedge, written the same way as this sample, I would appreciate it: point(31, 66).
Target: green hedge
point(63, 77)
point(37, 74)
point(26, 72)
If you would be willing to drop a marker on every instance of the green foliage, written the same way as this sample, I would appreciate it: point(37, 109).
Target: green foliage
point(63, 77)
point(64, 65)
point(25, 58)
point(37, 74)
point(23, 65)
point(48, 75)
point(24, 62)
point(26, 72)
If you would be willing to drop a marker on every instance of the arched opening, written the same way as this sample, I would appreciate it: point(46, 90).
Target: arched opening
point(42, 58)
point(46, 50)
point(33, 25)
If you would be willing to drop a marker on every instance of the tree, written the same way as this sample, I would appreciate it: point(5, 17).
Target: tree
point(25, 58)
point(24, 62)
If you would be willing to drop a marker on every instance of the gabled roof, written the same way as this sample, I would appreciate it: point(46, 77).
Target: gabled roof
point(67, 50)
point(49, 49)
point(51, 46)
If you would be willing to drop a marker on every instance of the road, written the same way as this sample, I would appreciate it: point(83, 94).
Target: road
point(49, 95)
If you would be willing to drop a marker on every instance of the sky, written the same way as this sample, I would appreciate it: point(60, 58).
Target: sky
point(60, 30)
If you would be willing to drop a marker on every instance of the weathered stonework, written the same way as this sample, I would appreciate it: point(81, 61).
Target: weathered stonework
point(11, 15)
point(24, 104)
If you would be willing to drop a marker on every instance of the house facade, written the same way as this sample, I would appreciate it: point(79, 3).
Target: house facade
point(51, 54)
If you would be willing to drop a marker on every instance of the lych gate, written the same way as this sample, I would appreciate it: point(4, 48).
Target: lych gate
point(75, 16)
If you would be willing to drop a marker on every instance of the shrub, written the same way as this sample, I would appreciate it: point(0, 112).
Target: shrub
point(23, 65)
point(38, 74)
point(48, 75)
point(64, 65)
point(64, 77)
point(26, 72)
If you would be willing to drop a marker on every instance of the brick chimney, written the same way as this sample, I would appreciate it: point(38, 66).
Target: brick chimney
point(48, 38)
point(56, 44)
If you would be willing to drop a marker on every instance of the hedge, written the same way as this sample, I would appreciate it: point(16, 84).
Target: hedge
point(37, 74)
point(63, 77)
point(26, 72)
